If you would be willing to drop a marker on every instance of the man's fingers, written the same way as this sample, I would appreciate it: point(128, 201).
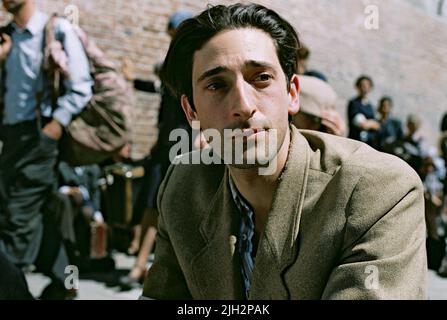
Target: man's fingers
point(329, 124)
point(6, 38)
point(333, 122)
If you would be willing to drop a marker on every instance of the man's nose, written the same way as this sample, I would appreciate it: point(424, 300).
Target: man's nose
point(244, 106)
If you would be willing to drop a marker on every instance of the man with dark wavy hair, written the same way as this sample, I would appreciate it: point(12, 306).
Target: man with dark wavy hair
point(335, 219)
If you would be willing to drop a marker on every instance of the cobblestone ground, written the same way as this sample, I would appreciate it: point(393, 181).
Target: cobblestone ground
point(97, 290)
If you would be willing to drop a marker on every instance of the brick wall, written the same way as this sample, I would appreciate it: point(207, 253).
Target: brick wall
point(406, 56)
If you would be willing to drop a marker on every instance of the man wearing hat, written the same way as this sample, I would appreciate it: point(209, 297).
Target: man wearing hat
point(318, 102)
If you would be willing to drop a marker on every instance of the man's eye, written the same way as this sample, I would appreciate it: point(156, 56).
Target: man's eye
point(215, 86)
point(263, 77)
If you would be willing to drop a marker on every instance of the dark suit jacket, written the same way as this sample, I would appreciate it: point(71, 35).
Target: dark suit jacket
point(355, 107)
point(344, 219)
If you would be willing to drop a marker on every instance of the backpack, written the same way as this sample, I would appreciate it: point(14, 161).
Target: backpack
point(101, 128)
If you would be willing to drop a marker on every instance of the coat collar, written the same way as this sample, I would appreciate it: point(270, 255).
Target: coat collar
point(217, 267)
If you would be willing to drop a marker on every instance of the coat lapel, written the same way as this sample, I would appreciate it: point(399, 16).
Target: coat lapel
point(217, 267)
point(278, 246)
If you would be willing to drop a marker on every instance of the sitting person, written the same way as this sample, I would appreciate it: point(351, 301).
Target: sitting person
point(318, 112)
point(390, 128)
point(412, 147)
point(77, 206)
point(313, 216)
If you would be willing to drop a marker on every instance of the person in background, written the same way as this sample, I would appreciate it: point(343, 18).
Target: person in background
point(390, 128)
point(443, 147)
point(80, 186)
point(363, 125)
point(432, 175)
point(444, 123)
point(170, 117)
point(442, 271)
point(31, 129)
point(317, 103)
point(303, 63)
point(415, 148)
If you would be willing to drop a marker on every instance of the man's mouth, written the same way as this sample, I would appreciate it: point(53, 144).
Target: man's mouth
point(246, 132)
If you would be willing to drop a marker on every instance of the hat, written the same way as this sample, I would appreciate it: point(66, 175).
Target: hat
point(178, 17)
point(316, 96)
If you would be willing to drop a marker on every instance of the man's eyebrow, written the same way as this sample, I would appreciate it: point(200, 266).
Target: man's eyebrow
point(249, 63)
point(211, 73)
point(259, 64)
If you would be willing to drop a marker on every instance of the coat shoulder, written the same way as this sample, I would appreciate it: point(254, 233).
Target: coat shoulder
point(331, 154)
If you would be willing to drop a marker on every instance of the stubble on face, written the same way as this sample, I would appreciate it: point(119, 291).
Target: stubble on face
point(234, 52)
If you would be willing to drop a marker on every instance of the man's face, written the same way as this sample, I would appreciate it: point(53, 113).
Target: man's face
point(302, 66)
point(364, 87)
point(13, 6)
point(412, 127)
point(238, 83)
point(385, 108)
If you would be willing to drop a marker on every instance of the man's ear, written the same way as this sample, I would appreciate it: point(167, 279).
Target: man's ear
point(294, 103)
point(191, 115)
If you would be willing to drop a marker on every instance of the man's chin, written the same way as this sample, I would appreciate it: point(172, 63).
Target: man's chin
point(263, 166)
point(244, 166)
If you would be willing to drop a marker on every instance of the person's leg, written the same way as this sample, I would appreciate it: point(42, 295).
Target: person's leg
point(154, 174)
point(57, 229)
point(27, 175)
point(149, 232)
point(136, 240)
point(12, 281)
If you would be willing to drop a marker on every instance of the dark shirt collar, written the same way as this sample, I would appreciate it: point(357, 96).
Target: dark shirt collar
point(242, 204)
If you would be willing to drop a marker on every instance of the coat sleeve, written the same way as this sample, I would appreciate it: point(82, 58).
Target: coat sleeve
point(78, 87)
point(353, 110)
point(165, 279)
point(384, 254)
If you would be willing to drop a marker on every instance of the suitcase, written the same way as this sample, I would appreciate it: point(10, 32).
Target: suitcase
point(122, 183)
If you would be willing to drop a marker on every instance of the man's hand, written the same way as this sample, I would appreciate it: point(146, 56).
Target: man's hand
point(5, 47)
point(53, 130)
point(371, 125)
point(333, 122)
point(123, 153)
point(128, 69)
